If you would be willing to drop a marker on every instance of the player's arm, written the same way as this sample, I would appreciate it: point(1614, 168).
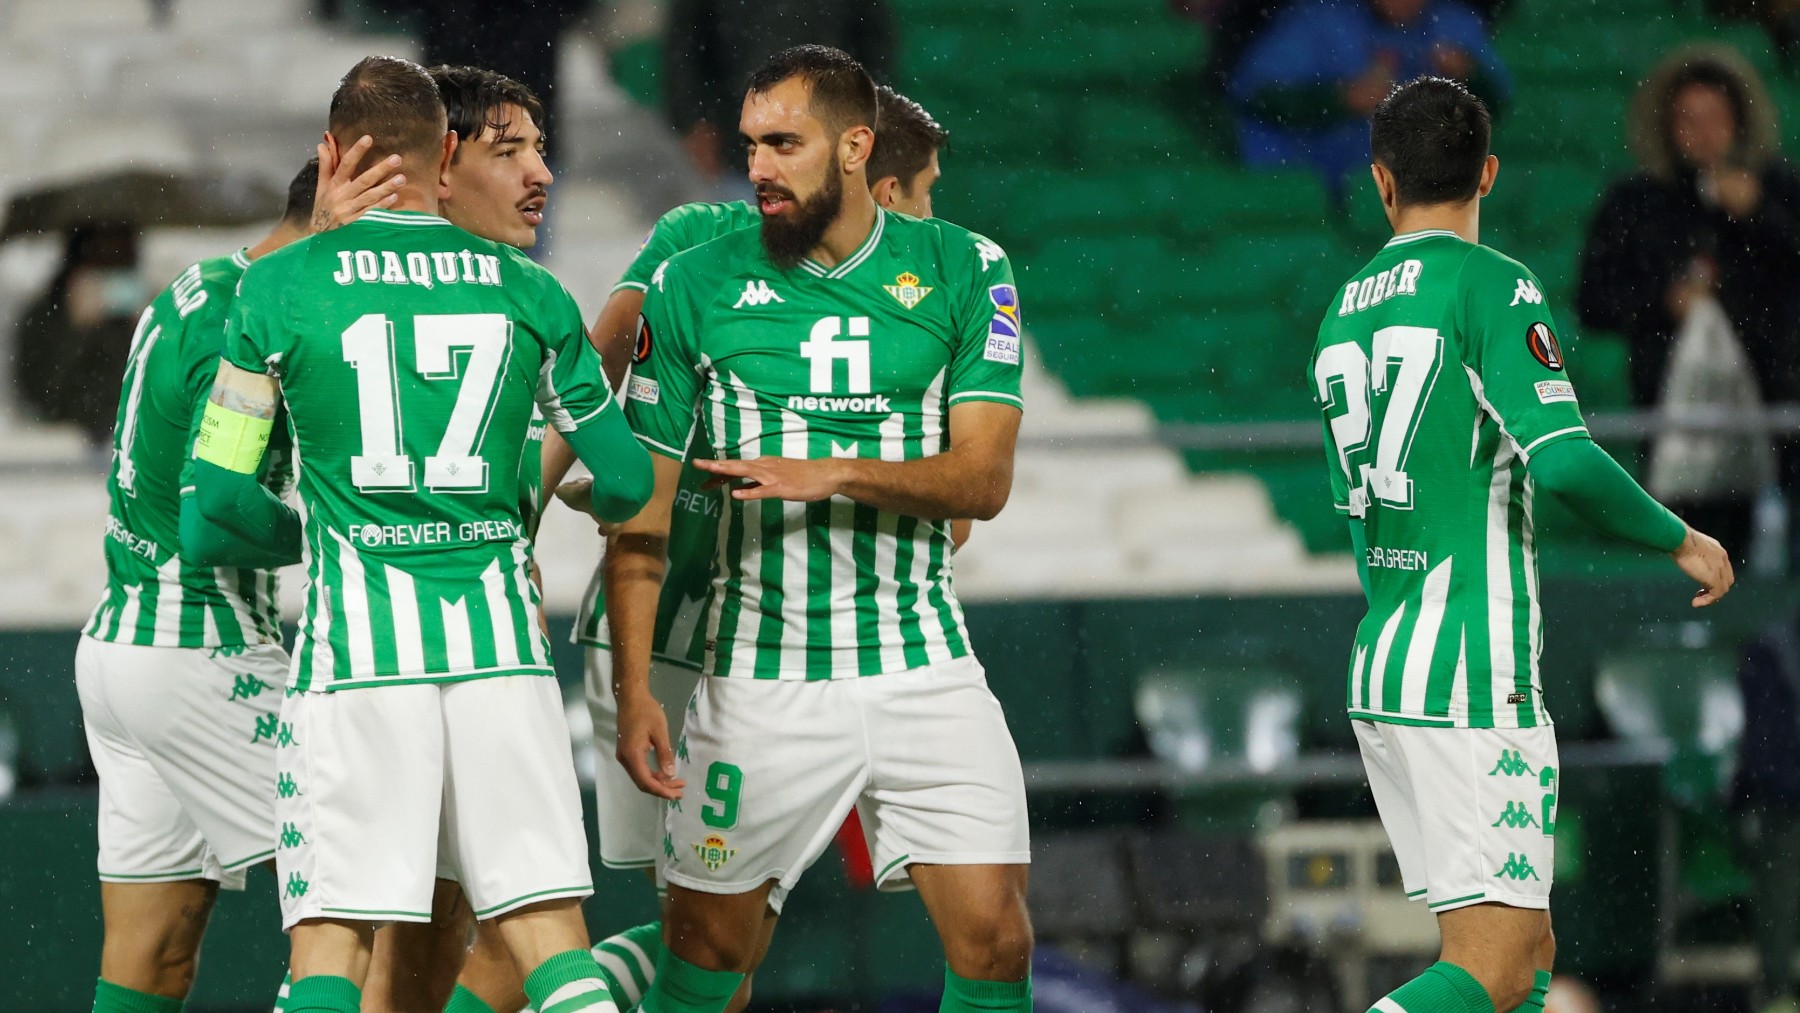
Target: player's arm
point(634, 565)
point(579, 405)
point(615, 332)
point(231, 518)
point(970, 480)
point(1515, 357)
point(1592, 485)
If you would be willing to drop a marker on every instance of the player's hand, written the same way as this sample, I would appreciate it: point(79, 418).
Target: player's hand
point(1737, 191)
point(578, 495)
point(643, 734)
point(537, 581)
point(1704, 559)
point(340, 199)
point(785, 478)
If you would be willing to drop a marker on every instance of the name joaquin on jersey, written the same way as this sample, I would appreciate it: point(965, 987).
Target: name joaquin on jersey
point(440, 267)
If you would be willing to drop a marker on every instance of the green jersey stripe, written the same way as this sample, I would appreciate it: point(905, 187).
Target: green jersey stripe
point(793, 561)
point(837, 561)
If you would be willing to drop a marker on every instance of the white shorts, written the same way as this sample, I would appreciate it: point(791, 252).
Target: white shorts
point(631, 822)
point(184, 742)
point(380, 791)
point(1471, 812)
point(774, 766)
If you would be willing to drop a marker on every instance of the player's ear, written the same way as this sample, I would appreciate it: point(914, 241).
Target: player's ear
point(443, 169)
point(855, 147)
point(1384, 186)
point(1490, 171)
point(883, 190)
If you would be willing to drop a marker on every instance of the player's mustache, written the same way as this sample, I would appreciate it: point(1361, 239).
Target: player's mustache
point(776, 191)
point(538, 193)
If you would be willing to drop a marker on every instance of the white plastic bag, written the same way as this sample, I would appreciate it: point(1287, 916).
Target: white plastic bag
point(1708, 377)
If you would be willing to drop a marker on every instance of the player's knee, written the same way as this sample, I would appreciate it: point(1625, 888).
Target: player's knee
point(995, 946)
point(712, 943)
point(1509, 988)
point(160, 962)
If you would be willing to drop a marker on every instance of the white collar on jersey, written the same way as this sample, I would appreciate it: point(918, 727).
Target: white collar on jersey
point(1410, 237)
point(853, 261)
point(402, 217)
point(242, 257)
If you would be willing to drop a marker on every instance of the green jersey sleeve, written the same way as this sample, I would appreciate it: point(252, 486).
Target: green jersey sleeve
point(988, 361)
point(665, 377)
point(254, 337)
point(1512, 355)
point(571, 388)
point(683, 228)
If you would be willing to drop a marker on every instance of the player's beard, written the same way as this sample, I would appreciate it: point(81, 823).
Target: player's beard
point(787, 239)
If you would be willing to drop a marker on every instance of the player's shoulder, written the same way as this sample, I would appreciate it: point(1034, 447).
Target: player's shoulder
point(1485, 268)
point(692, 224)
point(721, 256)
point(959, 252)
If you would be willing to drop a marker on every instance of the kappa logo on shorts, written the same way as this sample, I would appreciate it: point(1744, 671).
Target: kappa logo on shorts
point(291, 837)
point(1516, 817)
point(713, 852)
point(296, 887)
point(266, 727)
point(247, 687)
point(1517, 868)
point(681, 749)
point(286, 786)
point(1511, 764)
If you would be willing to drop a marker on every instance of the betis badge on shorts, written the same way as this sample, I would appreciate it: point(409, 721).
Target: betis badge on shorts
point(713, 852)
point(906, 288)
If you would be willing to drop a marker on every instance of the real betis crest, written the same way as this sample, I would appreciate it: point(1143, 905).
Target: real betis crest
point(907, 289)
point(713, 853)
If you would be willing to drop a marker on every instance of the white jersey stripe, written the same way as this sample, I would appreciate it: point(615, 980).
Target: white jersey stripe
point(749, 518)
point(409, 638)
point(354, 589)
point(795, 556)
point(1528, 549)
point(1415, 674)
point(931, 443)
point(1383, 645)
point(843, 606)
point(226, 579)
point(168, 604)
point(528, 594)
point(128, 616)
point(1501, 667)
point(1359, 665)
point(887, 586)
point(506, 644)
point(458, 645)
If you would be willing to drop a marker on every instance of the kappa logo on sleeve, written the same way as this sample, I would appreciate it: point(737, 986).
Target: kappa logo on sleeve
point(1552, 391)
point(641, 350)
point(1526, 292)
point(1543, 346)
point(1003, 328)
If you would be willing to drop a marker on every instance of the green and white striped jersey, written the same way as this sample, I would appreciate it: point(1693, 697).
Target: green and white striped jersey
point(152, 597)
point(1439, 374)
point(694, 528)
point(863, 359)
point(409, 354)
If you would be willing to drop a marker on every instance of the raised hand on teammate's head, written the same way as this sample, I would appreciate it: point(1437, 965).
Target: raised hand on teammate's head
point(342, 199)
point(1704, 559)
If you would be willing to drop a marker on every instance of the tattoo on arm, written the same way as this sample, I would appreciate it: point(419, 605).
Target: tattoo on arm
point(244, 392)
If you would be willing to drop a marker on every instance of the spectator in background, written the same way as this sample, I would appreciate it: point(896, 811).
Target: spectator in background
point(521, 44)
point(73, 339)
point(1305, 87)
point(1712, 212)
point(712, 46)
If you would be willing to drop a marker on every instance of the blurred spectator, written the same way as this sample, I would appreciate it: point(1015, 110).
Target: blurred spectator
point(72, 341)
point(712, 46)
point(1305, 87)
point(1766, 799)
point(1712, 214)
point(498, 37)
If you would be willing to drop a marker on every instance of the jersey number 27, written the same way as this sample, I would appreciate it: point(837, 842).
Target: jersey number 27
point(1403, 363)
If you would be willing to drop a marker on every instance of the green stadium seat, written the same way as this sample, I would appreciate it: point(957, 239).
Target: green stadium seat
point(1223, 200)
point(1054, 204)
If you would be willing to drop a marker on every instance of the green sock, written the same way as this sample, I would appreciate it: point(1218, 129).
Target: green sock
point(629, 960)
point(568, 982)
point(464, 1001)
point(1443, 988)
point(111, 998)
point(966, 995)
point(281, 996)
point(680, 987)
point(324, 993)
point(1540, 990)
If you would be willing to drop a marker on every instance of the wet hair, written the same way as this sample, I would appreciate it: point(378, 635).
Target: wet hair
point(393, 101)
point(1433, 135)
point(907, 137)
point(474, 97)
point(300, 193)
point(842, 93)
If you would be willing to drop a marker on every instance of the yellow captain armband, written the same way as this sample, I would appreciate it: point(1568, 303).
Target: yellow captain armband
point(232, 440)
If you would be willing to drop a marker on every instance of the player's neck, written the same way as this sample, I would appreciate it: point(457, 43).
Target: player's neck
point(416, 198)
point(280, 236)
point(846, 235)
point(1463, 219)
